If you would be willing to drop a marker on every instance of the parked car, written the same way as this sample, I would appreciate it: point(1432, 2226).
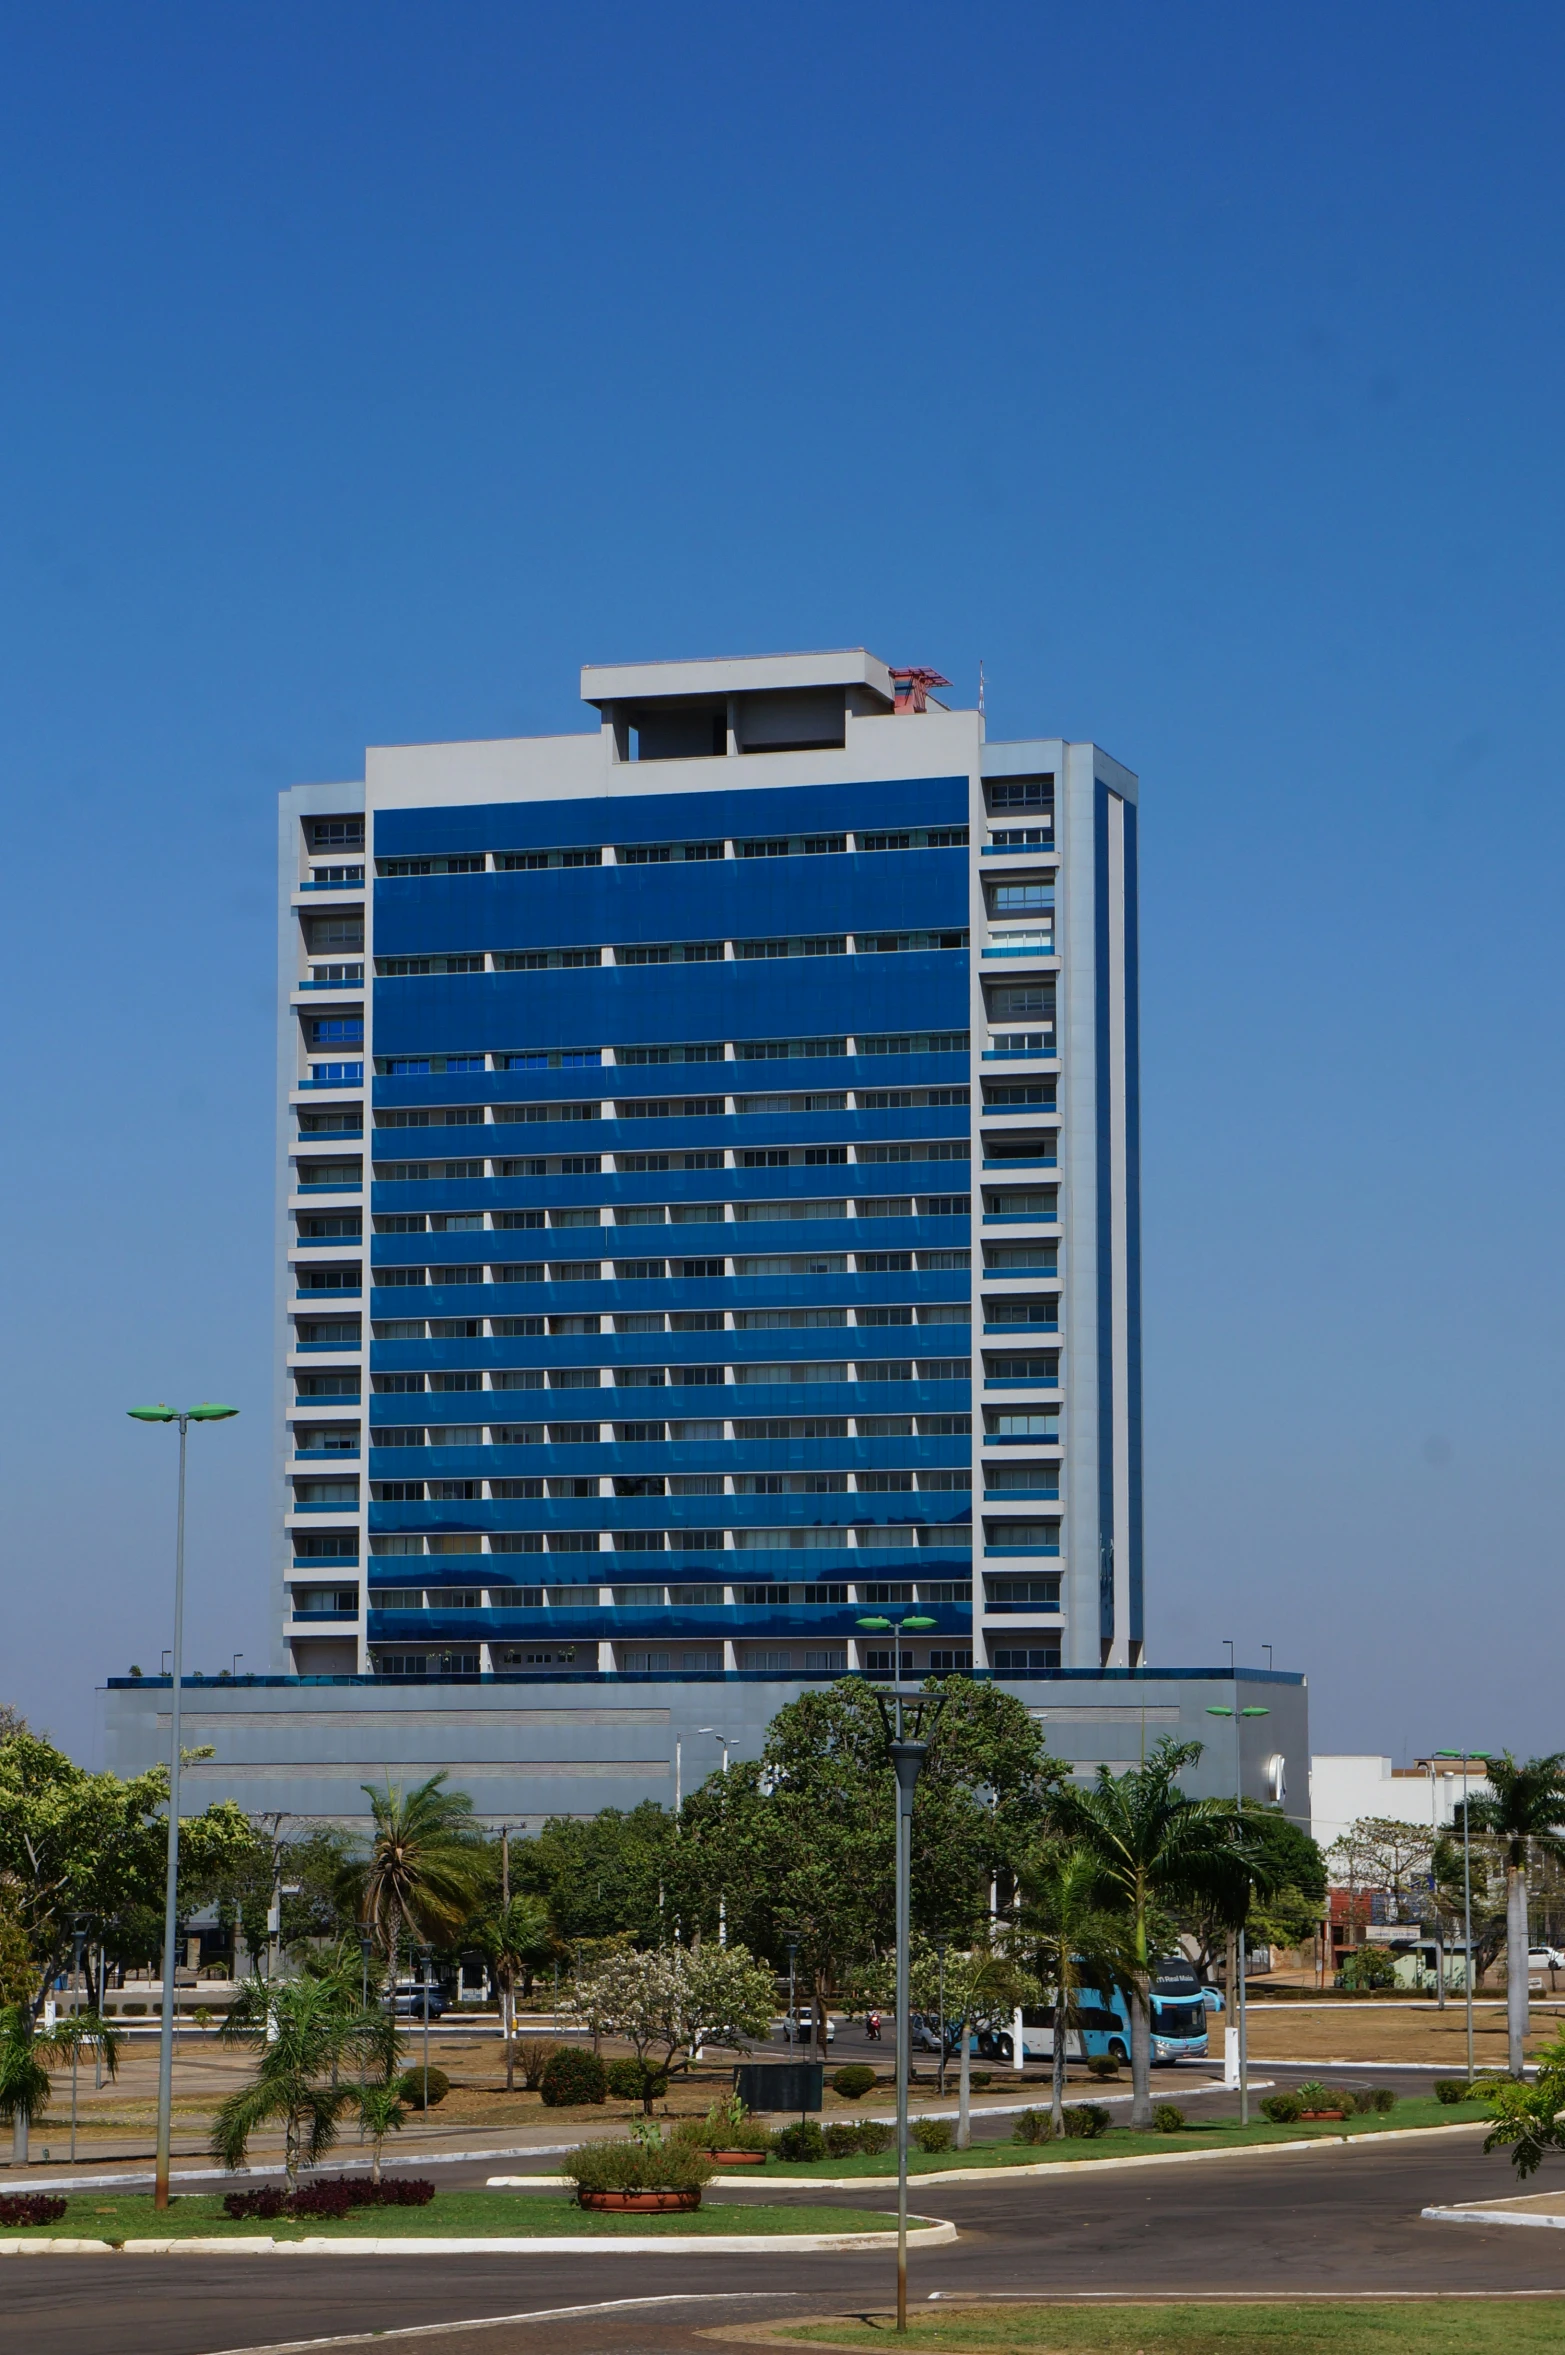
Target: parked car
point(409, 1999)
point(806, 2027)
point(1212, 1997)
point(1545, 1958)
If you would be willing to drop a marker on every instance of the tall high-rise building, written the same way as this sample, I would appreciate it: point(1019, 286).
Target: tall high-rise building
point(709, 1214)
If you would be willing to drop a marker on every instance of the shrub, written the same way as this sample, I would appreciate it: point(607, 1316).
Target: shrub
point(1087, 2120)
point(638, 2166)
point(271, 2200)
point(1168, 2118)
point(980, 2079)
point(322, 2199)
point(727, 2126)
point(573, 2075)
point(532, 2054)
point(1366, 1967)
point(1033, 2126)
point(1315, 2096)
point(853, 2080)
point(411, 2085)
point(637, 2081)
point(30, 2207)
point(846, 2138)
point(1379, 2098)
point(1102, 2064)
point(393, 2191)
point(932, 2134)
point(1282, 2108)
point(1454, 2089)
point(803, 2140)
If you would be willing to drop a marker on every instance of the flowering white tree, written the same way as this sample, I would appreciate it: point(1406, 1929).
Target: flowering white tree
point(675, 1997)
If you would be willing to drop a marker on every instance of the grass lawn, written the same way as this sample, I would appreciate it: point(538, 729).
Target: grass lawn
point(1121, 2143)
point(1418, 2327)
point(450, 2215)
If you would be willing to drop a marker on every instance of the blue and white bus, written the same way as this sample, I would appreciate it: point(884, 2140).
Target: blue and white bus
point(1179, 2018)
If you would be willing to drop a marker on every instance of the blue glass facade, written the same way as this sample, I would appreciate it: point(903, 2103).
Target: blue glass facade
point(626, 1325)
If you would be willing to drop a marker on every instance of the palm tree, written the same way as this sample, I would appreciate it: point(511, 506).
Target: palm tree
point(1079, 1941)
point(1524, 1809)
point(381, 2112)
point(301, 2029)
point(516, 1939)
point(424, 1863)
point(1155, 1850)
point(28, 2053)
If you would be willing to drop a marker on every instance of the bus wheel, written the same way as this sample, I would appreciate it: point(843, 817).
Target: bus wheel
point(1005, 2048)
point(1117, 2051)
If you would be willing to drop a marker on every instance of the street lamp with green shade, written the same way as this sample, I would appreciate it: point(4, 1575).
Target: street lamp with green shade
point(1241, 2009)
point(207, 1412)
point(908, 1721)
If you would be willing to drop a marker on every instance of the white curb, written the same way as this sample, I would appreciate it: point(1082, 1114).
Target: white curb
point(727, 2244)
point(1491, 2216)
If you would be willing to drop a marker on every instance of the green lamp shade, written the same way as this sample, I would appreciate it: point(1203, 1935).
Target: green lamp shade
point(153, 1414)
point(920, 1622)
point(212, 1414)
point(876, 1626)
point(1255, 1713)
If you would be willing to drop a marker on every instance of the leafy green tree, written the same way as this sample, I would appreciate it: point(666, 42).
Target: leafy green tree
point(1529, 2113)
point(670, 1998)
point(86, 1847)
point(303, 2034)
point(801, 1841)
point(1158, 1853)
point(1079, 1941)
point(1524, 1810)
point(611, 1875)
point(424, 1865)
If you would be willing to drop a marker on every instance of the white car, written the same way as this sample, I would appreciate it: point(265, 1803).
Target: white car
point(806, 2025)
point(1545, 1958)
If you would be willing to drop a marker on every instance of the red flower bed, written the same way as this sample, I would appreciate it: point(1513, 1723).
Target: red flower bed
point(30, 2207)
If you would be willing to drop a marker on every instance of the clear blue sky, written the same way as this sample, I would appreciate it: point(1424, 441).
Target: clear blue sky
point(363, 370)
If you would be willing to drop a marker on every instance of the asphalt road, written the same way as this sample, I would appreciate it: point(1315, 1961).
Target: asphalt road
point(1333, 2220)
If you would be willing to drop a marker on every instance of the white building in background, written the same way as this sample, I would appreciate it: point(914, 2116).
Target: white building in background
point(1346, 1786)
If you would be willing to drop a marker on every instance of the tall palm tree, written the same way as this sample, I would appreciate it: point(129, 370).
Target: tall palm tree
point(1080, 1943)
point(1524, 1809)
point(424, 1863)
point(1156, 1850)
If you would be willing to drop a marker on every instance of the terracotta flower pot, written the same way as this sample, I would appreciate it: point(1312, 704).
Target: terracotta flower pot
point(1323, 2114)
point(640, 2203)
point(739, 2158)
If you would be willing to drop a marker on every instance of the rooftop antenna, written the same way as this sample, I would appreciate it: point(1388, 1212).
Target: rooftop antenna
point(980, 689)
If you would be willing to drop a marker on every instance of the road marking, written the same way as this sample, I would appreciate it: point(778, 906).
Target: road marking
point(445, 2330)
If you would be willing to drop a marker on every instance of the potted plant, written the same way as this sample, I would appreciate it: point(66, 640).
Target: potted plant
point(642, 2176)
point(728, 2134)
point(1318, 2101)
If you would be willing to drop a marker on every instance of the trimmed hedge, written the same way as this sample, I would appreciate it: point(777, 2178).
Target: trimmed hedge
point(932, 2134)
point(846, 2137)
point(853, 2080)
point(571, 2075)
point(1454, 2089)
point(1283, 2109)
point(412, 2083)
point(803, 2140)
point(1168, 2118)
point(1033, 2126)
point(1087, 2120)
